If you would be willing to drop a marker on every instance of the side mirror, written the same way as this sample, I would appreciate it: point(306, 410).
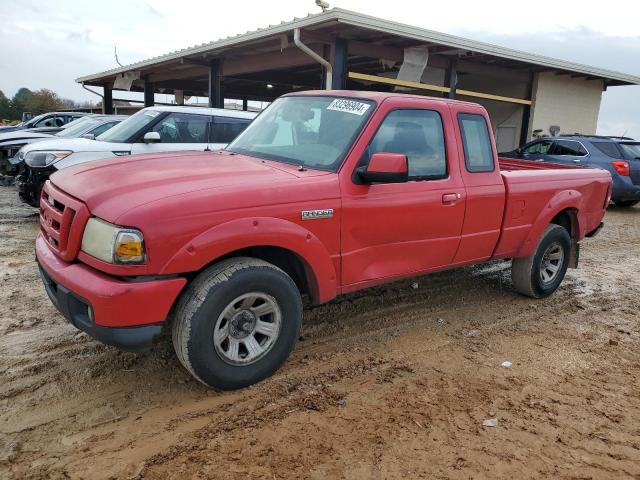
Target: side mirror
point(151, 137)
point(89, 136)
point(385, 168)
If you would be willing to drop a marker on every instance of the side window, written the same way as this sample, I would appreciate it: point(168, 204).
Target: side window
point(182, 128)
point(52, 121)
point(540, 148)
point(569, 148)
point(226, 129)
point(610, 149)
point(478, 153)
point(102, 128)
point(419, 135)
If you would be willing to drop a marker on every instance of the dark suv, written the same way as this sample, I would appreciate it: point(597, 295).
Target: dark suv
point(619, 155)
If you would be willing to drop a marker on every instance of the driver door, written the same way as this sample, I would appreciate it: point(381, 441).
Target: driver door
point(567, 152)
point(178, 131)
point(397, 229)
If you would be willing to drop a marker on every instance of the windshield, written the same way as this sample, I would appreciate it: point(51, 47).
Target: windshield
point(77, 127)
point(311, 131)
point(631, 150)
point(124, 130)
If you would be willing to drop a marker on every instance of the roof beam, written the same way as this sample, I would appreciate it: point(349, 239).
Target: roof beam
point(178, 74)
point(287, 58)
point(363, 49)
point(436, 88)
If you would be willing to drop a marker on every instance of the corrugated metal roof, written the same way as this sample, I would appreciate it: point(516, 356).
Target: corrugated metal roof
point(377, 24)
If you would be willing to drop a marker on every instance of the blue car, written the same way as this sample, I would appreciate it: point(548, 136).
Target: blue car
point(619, 155)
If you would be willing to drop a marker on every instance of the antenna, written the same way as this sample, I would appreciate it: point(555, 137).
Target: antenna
point(115, 54)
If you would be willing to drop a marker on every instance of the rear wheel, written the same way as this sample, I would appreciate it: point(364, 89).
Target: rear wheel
point(542, 273)
point(237, 322)
point(626, 203)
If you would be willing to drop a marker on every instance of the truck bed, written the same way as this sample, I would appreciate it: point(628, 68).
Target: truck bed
point(534, 187)
point(511, 164)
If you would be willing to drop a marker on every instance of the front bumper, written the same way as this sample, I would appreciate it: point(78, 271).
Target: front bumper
point(30, 183)
point(125, 314)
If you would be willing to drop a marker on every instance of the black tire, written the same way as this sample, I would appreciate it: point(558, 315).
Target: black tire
point(526, 272)
point(201, 306)
point(626, 203)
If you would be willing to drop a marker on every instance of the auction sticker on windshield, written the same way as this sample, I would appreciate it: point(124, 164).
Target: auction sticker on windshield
point(348, 106)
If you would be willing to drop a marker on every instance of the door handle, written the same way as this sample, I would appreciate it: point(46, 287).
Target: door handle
point(451, 198)
point(577, 160)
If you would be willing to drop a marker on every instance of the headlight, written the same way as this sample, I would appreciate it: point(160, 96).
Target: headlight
point(113, 244)
point(44, 158)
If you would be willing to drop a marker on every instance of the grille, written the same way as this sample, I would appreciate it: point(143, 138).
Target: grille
point(62, 221)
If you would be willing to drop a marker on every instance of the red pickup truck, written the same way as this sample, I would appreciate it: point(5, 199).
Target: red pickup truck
point(323, 194)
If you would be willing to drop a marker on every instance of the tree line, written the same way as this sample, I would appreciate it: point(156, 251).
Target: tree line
point(36, 102)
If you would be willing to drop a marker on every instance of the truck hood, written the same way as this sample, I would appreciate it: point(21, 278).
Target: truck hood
point(113, 187)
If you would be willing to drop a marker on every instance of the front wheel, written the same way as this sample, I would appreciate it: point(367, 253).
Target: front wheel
point(542, 273)
point(626, 203)
point(237, 323)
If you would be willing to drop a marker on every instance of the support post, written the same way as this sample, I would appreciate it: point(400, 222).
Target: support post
point(216, 98)
point(526, 113)
point(107, 100)
point(339, 53)
point(452, 78)
point(149, 98)
point(245, 104)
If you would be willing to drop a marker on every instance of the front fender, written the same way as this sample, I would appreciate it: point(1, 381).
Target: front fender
point(559, 202)
point(258, 232)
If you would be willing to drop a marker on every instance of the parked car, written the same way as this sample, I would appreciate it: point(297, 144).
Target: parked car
point(89, 126)
point(151, 130)
point(52, 121)
point(325, 193)
point(620, 156)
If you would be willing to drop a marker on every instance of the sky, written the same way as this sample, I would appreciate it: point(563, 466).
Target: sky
point(50, 44)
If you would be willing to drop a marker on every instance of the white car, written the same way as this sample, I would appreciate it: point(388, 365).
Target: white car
point(88, 125)
point(151, 130)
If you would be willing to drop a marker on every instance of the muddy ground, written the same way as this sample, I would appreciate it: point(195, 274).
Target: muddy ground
point(392, 382)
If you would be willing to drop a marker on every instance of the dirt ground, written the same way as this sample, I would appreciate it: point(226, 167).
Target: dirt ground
point(392, 382)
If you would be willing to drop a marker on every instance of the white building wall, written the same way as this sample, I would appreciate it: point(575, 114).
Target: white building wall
point(573, 104)
point(506, 118)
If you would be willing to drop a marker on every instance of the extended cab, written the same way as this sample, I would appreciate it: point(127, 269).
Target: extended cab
point(323, 194)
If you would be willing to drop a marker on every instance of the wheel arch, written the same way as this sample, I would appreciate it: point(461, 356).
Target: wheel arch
point(563, 209)
point(568, 218)
point(285, 244)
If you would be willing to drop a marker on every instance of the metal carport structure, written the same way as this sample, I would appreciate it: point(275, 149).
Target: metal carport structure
point(349, 50)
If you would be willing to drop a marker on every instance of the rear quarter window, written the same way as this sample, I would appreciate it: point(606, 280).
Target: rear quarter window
point(610, 149)
point(226, 129)
point(478, 153)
